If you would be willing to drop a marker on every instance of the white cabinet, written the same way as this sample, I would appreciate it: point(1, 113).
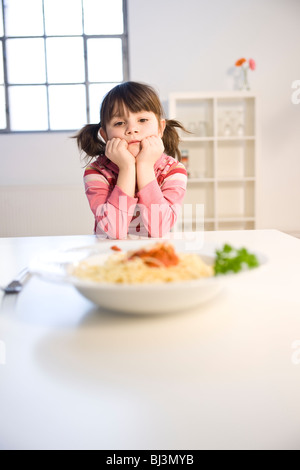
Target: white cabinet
point(220, 155)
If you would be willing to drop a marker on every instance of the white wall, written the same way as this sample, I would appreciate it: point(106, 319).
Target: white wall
point(192, 45)
point(41, 186)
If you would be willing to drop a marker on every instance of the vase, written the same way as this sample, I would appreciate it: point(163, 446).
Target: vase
point(244, 84)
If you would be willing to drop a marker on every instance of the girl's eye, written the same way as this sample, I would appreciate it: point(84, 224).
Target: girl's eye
point(143, 120)
point(119, 123)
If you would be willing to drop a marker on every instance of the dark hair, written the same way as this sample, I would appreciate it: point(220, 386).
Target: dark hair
point(135, 97)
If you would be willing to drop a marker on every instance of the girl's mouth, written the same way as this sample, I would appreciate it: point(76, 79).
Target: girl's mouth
point(134, 142)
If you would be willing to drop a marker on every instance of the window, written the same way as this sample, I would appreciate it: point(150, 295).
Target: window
point(58, 58)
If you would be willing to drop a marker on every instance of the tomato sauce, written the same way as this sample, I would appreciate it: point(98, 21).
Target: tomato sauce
point(115, 248)
point(160, 254)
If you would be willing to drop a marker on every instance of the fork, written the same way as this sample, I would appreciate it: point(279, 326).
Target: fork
point(15, 286)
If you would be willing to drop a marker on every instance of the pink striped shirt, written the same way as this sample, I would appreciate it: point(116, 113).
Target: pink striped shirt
point(151, 212)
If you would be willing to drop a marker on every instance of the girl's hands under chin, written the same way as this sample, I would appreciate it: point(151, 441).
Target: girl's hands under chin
point(151, 150)
point(117, 151)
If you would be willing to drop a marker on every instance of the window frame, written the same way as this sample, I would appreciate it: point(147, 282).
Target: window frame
point(86, 82)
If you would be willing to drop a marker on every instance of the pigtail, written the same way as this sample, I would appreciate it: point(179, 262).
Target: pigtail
point(89, 142)
point(171, 138)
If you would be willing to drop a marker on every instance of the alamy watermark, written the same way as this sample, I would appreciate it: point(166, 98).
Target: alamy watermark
point(155, 221)
point(2, 353)
point(295, 97)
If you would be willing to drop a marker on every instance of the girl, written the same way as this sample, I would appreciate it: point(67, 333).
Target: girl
point(134, 185)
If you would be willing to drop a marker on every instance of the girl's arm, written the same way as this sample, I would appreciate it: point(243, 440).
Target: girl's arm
point(161, 203)
point(151, 150)
point(112, 207)
point(127, 180)
point(117, 151)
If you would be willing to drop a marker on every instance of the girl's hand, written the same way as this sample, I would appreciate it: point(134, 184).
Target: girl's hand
point(151, 150)
point(117, 151)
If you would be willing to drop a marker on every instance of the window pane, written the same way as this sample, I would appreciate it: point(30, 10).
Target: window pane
point(65, 60)
point(67, 106)
point(25, 61)
point(28, 108)
point(24, 18)
point(1, 21)
point(47, 77)
point(1, 65)
point(96, 95)
point(63, 17)
point(2, 108)
point(102, 52)
point(103, 16)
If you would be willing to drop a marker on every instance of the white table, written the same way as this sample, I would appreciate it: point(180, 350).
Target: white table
point(225, 375)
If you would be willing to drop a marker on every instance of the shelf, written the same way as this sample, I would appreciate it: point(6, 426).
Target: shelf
point(198, 197)
point(220, 156)
point(235, 199)
point(197, 139)
point(200, 180)
point(222, 219)
point(192, 224)
point(196, 115)
point(236, 179)
point(235, 116)
point(235, 158)
point(229, 179)
point(209, 224)
point(217, 138)
point(236, 225)
point(235, 219)
point(233, 138)
point(200, 158)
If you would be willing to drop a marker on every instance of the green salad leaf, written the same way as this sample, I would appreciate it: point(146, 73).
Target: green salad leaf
point(230, 259)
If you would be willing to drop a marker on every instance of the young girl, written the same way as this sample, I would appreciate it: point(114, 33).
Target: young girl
point(133, 182)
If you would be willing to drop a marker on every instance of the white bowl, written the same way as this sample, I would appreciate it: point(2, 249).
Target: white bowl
point(128, 298)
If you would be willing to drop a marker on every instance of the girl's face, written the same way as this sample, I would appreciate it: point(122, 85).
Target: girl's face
point(133, 127)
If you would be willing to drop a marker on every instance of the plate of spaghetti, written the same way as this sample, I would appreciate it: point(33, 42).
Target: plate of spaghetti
point(135, 277)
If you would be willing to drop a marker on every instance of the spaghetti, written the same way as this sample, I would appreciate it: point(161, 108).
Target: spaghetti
point(157, 264)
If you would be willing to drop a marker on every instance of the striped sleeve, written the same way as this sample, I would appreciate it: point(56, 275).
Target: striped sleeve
point(161, 203)
point(112, 208)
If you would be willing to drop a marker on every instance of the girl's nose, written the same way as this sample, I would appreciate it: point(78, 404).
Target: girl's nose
point(131, 129)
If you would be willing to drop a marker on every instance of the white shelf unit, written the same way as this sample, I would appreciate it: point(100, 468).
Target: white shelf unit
point(222, 155)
